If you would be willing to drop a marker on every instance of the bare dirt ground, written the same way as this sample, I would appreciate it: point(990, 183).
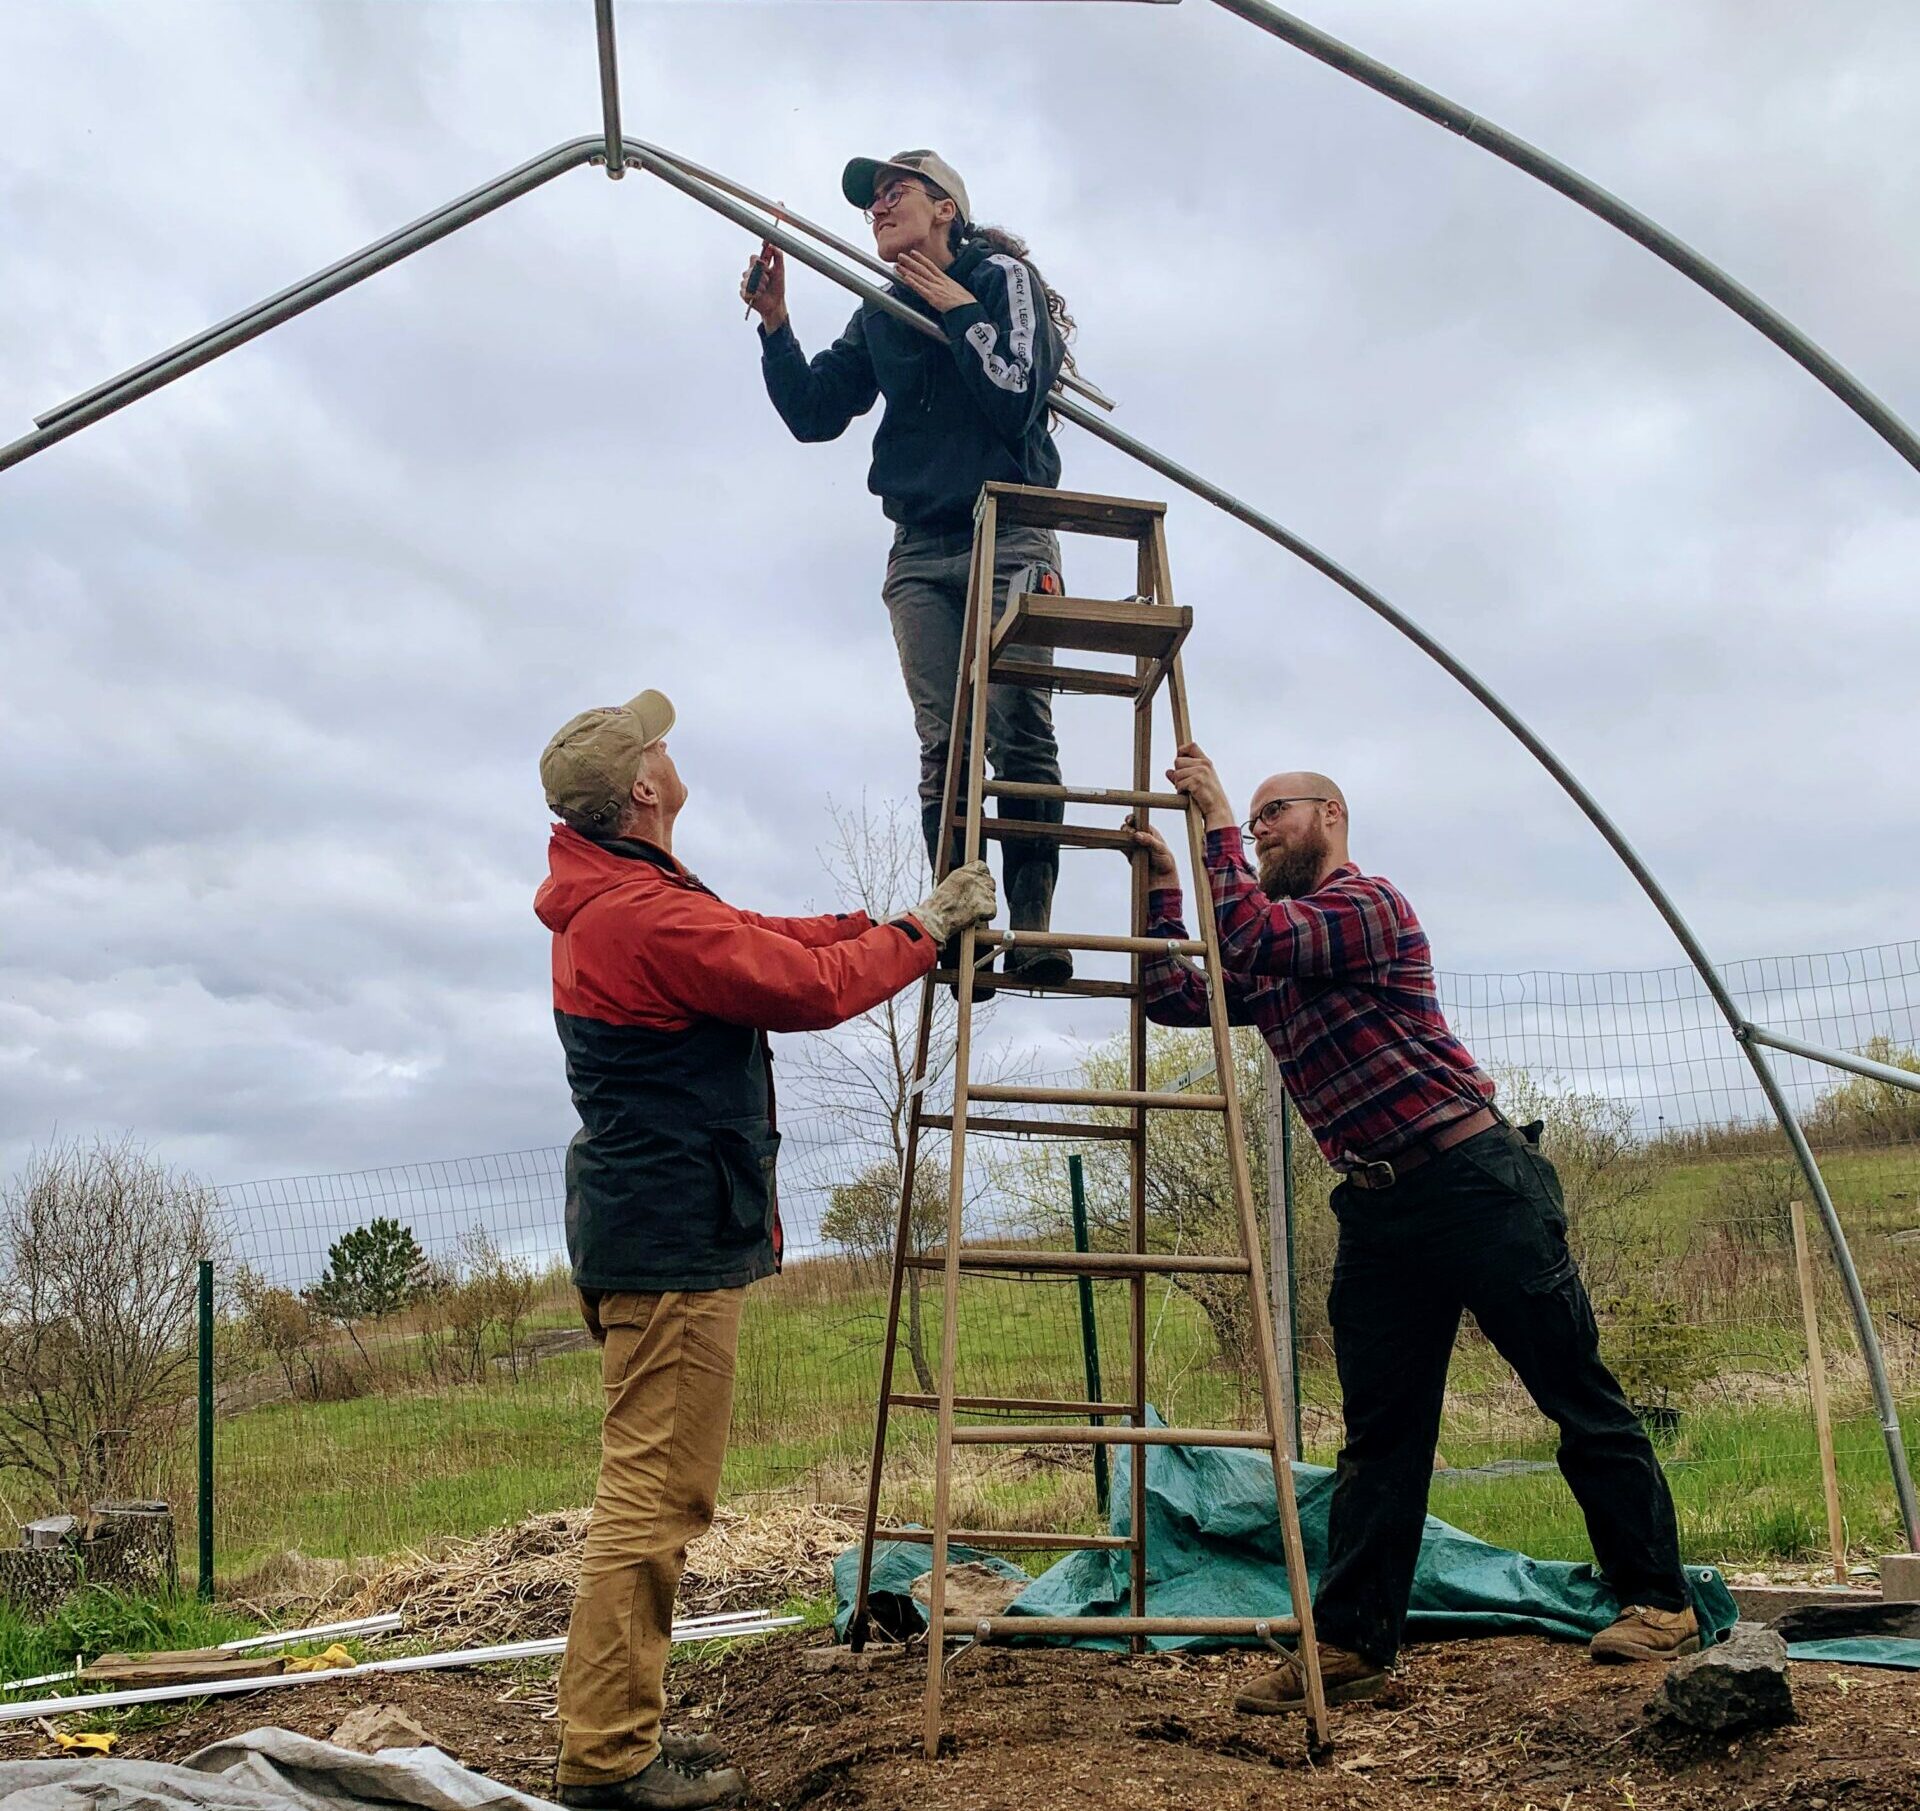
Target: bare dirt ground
point(1503, 1723)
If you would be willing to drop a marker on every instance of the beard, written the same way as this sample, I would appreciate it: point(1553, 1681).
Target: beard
point(1287, 873)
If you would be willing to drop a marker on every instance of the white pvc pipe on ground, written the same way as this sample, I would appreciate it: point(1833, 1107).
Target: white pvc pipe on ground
point(360, 1625)
point(701, 1628)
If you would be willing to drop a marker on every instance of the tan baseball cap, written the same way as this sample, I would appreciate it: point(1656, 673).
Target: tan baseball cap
point(859, 179)
point(588, 768)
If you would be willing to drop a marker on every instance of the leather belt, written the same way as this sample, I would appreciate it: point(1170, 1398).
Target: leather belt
point(1384, 1173)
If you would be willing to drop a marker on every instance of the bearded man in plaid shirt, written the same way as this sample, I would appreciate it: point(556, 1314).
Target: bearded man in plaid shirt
point(1444, 1207)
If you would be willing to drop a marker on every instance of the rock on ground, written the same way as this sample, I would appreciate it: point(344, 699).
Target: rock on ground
point(1738, 1683)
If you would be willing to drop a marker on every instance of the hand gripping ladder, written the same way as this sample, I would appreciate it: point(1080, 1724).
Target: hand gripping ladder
point(1149, 628)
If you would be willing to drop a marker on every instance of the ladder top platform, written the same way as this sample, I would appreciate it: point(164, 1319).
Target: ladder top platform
point(1073, 511)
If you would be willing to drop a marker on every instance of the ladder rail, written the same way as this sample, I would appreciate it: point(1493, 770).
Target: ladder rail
point(973, 670)
point(1137, 1080)
point(916, 1119)
point(1319, 1728)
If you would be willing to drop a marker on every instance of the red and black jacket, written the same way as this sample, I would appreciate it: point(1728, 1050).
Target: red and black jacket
point(663, 995)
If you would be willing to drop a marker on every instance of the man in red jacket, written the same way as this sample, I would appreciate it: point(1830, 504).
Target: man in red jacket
point(663, 995)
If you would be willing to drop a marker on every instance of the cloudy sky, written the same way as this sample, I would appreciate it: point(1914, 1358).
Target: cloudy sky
point(279, 645)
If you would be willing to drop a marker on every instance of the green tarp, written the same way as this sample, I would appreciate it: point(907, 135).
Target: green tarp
point(1899, 1652)
point(1213, 1543)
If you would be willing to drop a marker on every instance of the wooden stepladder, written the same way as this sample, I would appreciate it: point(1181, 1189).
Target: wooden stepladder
point(1149, 628)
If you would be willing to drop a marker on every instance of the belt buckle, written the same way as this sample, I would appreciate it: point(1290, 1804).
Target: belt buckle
point(1377, 1174)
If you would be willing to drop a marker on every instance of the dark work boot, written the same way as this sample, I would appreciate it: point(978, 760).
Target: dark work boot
point(663, 1786)
point(1031, 869)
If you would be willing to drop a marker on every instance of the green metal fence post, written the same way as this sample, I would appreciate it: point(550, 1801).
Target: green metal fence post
point(1089, 1333)
point(206, 1427)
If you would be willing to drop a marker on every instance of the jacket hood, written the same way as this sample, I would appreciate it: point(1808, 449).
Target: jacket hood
point(579, 870)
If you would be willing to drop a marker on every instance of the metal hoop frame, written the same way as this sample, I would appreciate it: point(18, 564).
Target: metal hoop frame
point(801, 239)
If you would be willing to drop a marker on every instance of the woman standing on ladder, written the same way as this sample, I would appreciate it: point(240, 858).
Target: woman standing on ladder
point(957, 415)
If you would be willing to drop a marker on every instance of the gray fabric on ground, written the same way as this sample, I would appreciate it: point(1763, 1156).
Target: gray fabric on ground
point(263, 1770)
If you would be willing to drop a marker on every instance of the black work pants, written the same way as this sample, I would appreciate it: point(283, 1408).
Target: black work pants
point(1480, 1227)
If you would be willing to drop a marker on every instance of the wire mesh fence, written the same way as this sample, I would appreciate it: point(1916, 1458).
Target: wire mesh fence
point(400, 1358)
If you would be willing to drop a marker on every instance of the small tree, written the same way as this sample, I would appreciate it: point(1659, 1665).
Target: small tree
point(863, 1070)
point(862, 1217)
point(1190, 1204)
point(373, 1270)
point(507, 1287)
point(1603, 1168)
point(100, 1248)
point(466, 1303)
point(1655, 1354)
point(280, 1324)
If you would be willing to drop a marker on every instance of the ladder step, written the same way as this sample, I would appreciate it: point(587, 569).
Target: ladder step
point(1097, 1097)
point(1030, 1128)
point(1072, 511)
point(1087, 990)
point(1072, 836)
point(1014, 1628)
point(1090, 625)
point(1010, 1537)
point(1087, 1263)
point(1085, 795)
point(1071, 1435)
point(1087, 940)
point(1063, 679)
point(1016, 1404)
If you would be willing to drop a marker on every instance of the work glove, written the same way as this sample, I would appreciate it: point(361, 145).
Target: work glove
point(965, 897)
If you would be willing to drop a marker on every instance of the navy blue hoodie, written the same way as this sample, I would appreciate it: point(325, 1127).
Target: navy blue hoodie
point(957, 414)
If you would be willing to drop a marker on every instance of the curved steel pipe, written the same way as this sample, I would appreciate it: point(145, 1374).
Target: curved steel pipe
point(1509, 148)
point(678, 177)
point(143, 379)
point(151, 374)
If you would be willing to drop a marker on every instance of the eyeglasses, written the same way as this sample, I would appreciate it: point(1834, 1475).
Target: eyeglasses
point(891, 197)
point(1269, 814)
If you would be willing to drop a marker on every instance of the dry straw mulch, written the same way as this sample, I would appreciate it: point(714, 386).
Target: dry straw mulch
point(517, 1584)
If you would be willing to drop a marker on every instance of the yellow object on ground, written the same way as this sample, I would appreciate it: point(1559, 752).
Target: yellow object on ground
point(101, 1743)
point(323, 1662)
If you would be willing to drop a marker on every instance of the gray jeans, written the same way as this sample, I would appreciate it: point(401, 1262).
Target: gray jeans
point(926, 596)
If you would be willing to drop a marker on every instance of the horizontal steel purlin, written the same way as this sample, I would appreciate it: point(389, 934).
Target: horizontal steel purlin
point(1835, 1059)
point(150, 375)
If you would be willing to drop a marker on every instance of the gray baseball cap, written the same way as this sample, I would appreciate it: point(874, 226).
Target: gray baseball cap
point(858, 180)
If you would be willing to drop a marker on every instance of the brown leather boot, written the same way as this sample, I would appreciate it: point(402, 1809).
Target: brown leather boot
point(1641, 1633)
point(1343, 1677)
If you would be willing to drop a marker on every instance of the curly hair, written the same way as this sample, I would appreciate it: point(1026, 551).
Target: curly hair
point(1000, 240)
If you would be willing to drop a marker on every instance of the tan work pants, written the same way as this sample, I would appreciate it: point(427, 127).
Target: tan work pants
point(668, 1370)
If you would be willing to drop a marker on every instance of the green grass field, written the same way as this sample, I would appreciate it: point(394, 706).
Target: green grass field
point(411, 1464)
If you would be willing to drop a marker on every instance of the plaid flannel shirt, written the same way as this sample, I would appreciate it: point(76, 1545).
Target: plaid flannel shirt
point(1340, 983)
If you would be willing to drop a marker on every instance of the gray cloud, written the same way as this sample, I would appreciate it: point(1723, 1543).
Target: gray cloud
point(281, 642)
